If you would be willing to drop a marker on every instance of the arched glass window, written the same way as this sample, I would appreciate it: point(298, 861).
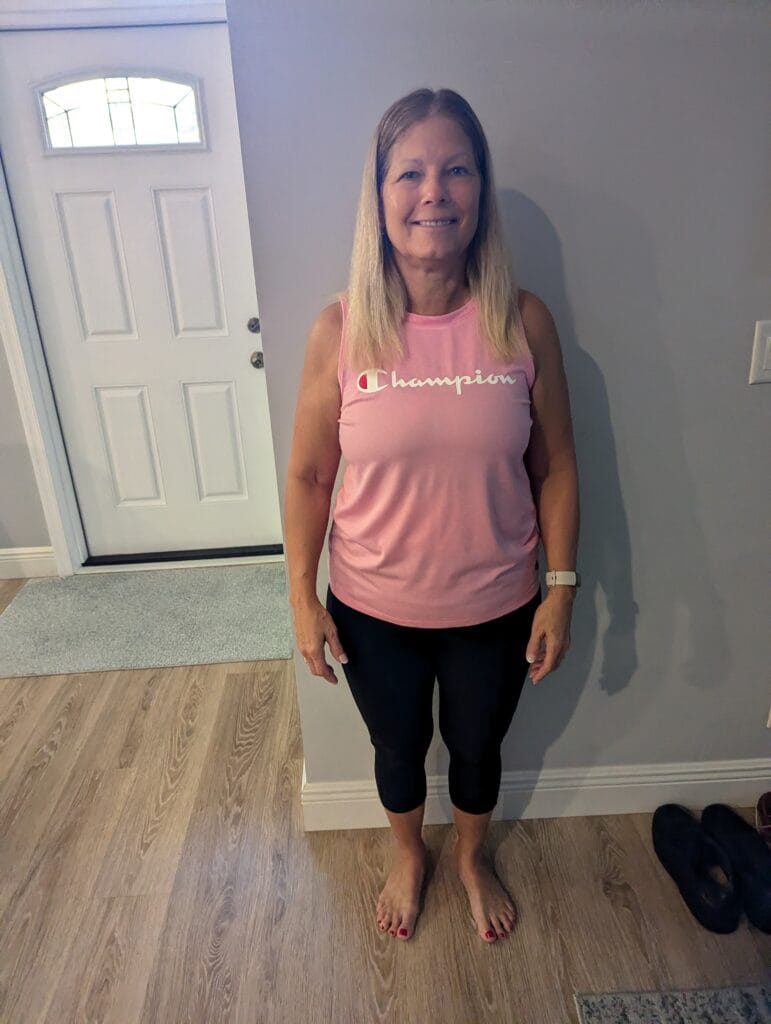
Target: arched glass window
point(130, 111)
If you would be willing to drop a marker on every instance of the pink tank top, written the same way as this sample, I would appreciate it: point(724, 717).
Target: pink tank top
point(434, 523)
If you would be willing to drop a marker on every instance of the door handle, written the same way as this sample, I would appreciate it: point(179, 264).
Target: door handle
point(257, 361)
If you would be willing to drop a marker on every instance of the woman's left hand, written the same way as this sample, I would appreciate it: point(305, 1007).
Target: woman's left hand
point(550, 635)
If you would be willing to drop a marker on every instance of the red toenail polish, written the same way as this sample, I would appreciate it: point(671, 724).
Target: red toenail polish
point(402, 931)
point(489, 935)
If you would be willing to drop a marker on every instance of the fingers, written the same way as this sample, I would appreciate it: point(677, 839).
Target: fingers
point(316, 627)
point(544, 665)
point(547, 661)
point(319, 667)
point(333, 640)
point(549, 641)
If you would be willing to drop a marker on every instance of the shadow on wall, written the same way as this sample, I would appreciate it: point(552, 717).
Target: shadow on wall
point(658, 497)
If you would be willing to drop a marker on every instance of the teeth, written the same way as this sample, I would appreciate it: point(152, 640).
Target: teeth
point(432, 223)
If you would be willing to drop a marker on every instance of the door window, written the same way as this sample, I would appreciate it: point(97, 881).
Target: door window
point(120, 112)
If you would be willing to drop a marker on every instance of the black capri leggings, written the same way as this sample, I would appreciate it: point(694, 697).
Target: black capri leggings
point(391, 670)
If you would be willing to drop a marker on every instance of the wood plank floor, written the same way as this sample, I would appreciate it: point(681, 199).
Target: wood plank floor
point(153, 868)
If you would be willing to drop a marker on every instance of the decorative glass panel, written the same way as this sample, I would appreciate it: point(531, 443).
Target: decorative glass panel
point(131, 111)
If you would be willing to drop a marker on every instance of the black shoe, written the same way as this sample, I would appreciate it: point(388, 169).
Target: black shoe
point(750, 858)
point(691, 856)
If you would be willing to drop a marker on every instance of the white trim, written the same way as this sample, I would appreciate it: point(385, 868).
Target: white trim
point(553, 793)
point(84, 15)
point(29, 376)
point(26, 563)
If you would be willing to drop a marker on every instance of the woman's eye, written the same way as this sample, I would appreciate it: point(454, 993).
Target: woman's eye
point(459, 167)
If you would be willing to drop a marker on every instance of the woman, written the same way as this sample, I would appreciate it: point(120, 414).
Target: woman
point(443, 385)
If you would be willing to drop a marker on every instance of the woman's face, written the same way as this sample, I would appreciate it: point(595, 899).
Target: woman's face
point(432, 175)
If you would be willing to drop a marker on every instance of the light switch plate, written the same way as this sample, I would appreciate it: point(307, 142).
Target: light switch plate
point(760, 368)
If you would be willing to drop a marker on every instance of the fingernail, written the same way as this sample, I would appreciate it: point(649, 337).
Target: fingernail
point(343, 659)
point(531, 658)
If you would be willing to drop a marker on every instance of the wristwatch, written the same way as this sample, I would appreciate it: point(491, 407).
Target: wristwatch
point(557, 576)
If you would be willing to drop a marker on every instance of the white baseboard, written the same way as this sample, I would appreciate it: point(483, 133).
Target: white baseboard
point(24, 563)
point(553, 793)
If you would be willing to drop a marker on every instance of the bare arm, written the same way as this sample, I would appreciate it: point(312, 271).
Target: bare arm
point(550, 458)
point(314, 458)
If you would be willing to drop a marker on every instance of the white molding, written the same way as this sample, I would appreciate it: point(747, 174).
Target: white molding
point(32, 386)
point(553, 793)
point(26, 563)
point(86, 15)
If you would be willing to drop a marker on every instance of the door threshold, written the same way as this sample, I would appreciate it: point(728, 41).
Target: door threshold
point(189, 563)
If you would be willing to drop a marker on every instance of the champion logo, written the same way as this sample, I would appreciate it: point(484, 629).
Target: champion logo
point(369, 381)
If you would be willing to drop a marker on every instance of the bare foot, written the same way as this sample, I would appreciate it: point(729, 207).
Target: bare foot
point(399, 902)
point(493, 911)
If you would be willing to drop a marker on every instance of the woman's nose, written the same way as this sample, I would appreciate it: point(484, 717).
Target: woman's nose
point(434, 189)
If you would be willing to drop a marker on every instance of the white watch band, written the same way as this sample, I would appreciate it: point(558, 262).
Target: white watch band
point(562, 576)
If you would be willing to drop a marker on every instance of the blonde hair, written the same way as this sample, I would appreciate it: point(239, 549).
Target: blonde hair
point(376, 296)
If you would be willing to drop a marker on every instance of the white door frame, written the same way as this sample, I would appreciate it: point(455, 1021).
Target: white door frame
point(18, 324)
point(29, 376)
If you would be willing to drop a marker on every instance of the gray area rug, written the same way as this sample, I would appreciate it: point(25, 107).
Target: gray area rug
point(100, 621)
point(749, 1004)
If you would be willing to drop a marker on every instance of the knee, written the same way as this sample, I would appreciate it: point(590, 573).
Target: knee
point(407, 752)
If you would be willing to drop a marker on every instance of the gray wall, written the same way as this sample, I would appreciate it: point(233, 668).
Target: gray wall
point(22, 524)
point(631, 151)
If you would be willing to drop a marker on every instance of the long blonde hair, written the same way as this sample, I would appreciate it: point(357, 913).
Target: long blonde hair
point(376, 295)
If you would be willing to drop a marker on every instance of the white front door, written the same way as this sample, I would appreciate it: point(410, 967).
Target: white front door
point(122, 154)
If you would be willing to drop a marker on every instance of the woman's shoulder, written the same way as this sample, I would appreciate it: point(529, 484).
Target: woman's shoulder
point(325, 337)
point(537, 321)
point(532, 309)
point(332, 314)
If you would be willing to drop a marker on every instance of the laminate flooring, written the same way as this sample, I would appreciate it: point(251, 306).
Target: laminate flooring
point(154, 868)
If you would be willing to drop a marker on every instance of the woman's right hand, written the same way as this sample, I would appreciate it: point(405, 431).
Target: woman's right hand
point(312, 626)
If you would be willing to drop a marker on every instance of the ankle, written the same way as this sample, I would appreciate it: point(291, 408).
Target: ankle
point(468, 851)
point(409, 847)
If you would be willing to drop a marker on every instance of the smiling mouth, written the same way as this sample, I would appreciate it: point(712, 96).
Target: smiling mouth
point(445, 222)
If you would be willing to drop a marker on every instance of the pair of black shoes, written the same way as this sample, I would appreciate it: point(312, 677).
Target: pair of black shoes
point(720, 865)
